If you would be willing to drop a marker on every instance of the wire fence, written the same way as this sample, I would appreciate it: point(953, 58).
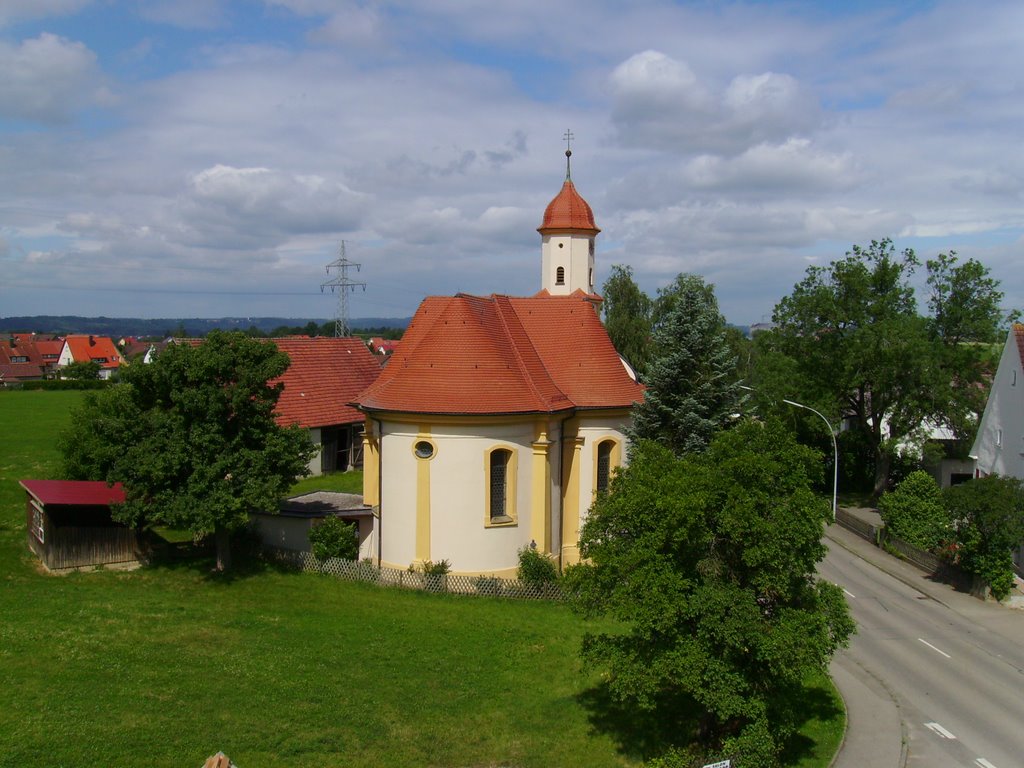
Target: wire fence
point(366, 571)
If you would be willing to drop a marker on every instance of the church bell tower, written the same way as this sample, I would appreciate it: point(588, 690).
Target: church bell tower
point(567, 240)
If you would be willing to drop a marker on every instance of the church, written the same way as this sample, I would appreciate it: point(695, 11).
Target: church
point(499, 419)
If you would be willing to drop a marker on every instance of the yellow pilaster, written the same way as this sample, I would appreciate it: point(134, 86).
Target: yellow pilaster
point(540, 493)
point(423, 501)
point(371, 466)
point(571, 501)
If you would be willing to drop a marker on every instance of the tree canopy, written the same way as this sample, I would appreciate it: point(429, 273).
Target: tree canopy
point(627, 317)
point(692, 387)
point(988, 515)
point(708, 562)
point(192, 437)
point(858, 349)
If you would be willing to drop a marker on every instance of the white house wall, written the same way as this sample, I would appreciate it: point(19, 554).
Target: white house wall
point(999, 445)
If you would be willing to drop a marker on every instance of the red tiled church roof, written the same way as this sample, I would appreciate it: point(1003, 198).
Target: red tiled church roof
point(568, 211)
point(324, 376)
point(502, 355)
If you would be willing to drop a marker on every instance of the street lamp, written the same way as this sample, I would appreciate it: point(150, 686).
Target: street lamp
point(835, 446)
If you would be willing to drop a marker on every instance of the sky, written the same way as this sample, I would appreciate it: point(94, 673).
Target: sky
point(206, 158)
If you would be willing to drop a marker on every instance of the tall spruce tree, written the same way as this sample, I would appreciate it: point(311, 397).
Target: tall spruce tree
point(692, 389)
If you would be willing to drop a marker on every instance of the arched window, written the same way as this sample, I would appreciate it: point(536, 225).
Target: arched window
point(501, 486)
point(604, 464)
point(560, 276)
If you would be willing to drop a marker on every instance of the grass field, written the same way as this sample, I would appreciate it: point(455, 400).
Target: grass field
point(166, 665)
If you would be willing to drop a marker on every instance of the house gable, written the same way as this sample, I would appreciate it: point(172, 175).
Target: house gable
point(999, 445)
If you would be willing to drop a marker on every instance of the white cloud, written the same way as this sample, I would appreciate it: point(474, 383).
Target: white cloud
point(245, 207)
point(46, 78)
point(21, 10)
point(796, 166)
point(659, 102)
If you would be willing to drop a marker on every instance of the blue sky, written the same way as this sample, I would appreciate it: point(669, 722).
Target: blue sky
point(176, 158)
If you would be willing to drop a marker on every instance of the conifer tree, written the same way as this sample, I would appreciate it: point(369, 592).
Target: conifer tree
point(692, 391)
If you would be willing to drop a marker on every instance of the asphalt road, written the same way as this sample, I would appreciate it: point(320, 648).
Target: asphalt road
point(953, 664)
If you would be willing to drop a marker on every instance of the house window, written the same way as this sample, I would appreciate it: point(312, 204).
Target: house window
point(1014, 382)
point(560, 276)
point(19, 359)
point(100, 360)
point(591, 246)
point(604, 464)
point(501, 494)
point(37, 523)
point(999, 438)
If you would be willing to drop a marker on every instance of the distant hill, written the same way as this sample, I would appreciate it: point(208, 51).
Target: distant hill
point(133, 326)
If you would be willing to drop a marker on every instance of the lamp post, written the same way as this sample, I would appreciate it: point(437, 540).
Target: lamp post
point(835, 446)
point(835, 451)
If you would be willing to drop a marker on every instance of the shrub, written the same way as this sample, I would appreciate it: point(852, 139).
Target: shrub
point(988, 514)
point(334, 538)
point(914, 512)
point(440, 568)
point(536, 568)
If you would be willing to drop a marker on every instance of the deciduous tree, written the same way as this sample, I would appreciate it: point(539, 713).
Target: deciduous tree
point(862, 352)
point(192, 437)
point(708, 562)
point(627, 317)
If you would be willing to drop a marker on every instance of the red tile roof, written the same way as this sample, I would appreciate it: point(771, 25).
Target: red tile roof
point(74, 492)
point(502, 355)
point(568, 211)
point(85, 348)
point(13, 367)
point(325, 375)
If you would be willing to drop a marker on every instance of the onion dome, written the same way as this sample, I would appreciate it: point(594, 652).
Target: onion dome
point(568, 212)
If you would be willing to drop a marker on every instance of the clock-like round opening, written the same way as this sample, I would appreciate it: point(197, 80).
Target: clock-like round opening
point(424, 450)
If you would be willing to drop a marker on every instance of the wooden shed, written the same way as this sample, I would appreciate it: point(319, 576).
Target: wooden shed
point(69, 524)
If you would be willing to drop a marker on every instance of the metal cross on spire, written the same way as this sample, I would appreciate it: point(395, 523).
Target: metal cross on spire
point(568, 137)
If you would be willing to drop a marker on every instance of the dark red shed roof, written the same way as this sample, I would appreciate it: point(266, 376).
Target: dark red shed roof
point(74, 492)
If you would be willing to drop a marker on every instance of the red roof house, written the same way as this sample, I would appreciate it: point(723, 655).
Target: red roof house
point(89, 348)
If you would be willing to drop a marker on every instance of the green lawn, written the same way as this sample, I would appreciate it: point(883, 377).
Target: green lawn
point(166, 665)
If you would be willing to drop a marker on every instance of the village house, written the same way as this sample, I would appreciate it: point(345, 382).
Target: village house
point(999, 444)
point(498, 419)
point(79, 348)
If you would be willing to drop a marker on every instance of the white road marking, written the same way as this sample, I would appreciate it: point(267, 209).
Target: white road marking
point(850, 594)
point(981, 761)
point(935, 649)
point(940, 730)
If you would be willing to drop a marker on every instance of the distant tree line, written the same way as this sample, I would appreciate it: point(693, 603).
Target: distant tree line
point(191, 327)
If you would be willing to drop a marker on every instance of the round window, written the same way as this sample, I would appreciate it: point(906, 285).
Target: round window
point(424, 450)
